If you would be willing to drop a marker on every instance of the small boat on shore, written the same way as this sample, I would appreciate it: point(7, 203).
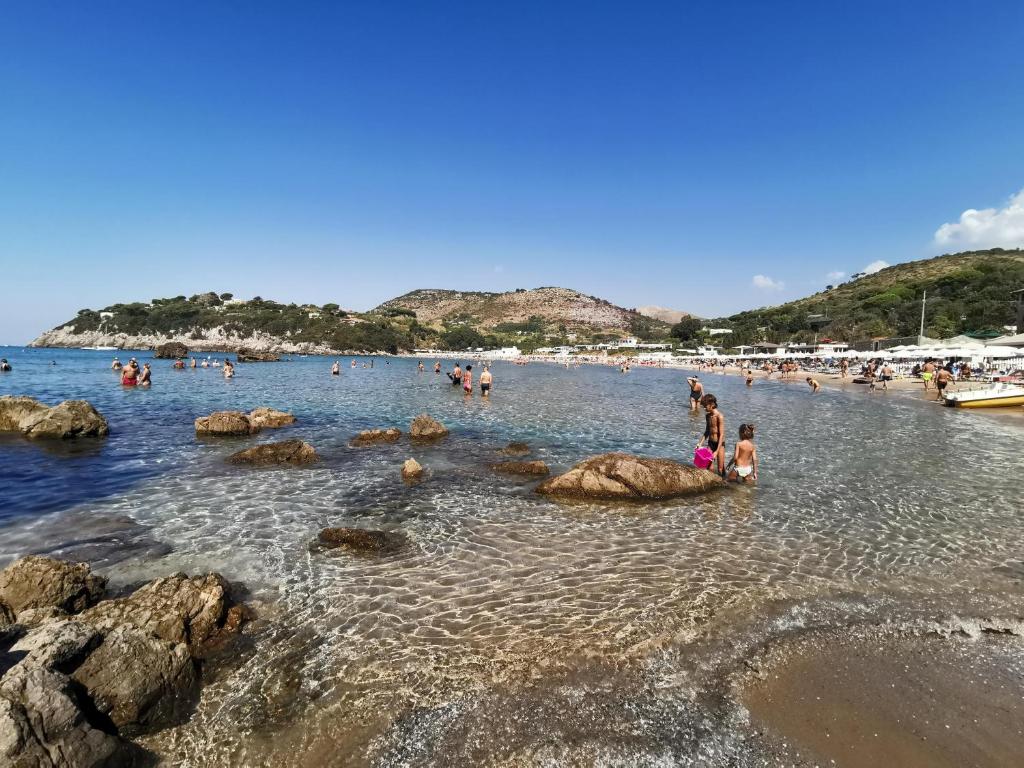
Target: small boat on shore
point(1000, 395)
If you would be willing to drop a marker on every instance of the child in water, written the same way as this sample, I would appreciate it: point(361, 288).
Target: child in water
point(744, 459)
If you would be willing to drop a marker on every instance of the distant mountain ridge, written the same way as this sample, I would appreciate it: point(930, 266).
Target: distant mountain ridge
point(666, 315)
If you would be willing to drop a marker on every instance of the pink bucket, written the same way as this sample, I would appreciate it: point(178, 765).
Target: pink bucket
point(702, 457)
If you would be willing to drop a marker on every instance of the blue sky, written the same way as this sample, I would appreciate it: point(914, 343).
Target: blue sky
point(648, 153)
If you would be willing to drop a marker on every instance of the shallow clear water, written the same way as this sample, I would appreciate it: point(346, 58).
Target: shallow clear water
point(514, 627)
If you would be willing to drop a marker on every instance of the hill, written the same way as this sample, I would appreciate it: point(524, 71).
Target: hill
point(525, 316)
point(666, 315)
point(967, 292)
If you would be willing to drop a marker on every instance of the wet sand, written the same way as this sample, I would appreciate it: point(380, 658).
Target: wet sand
point(912, 701)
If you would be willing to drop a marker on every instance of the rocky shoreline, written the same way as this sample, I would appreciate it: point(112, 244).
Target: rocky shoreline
point(81, 674)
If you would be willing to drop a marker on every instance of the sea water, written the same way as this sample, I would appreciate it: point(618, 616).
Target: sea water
point(514, 629)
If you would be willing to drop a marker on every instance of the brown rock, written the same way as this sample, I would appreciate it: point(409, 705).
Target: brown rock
point(621, 476)
point(225, 424)
point(70, 419)
point(172, 350)
point(426, 429)
point(360, 540)
point(411, 470)
point(14, 410)
point(516, 449)
point(374, 436)
point(538, 468)
point(6, 615)
point(252, 356)
point(294, 452)
point(178, 608)
point(42, 582)
point(140, 681)
point(270, 418)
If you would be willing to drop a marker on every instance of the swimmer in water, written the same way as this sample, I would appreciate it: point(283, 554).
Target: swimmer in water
point(744, 459)
point(116, 365)
point(437, 367)
point(146, 378)
point(336, 369)
point(467, 380)
point(229, 369)
point(815, 386)
point(419, 367)
point(750, 378)
point(456, 375)
point(129, 376)
point(193, 363)
point(485, 382)
point(696, 392)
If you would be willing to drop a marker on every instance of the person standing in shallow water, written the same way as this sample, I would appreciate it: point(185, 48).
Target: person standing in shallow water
point(146, 378)
point(456, 375)
point(467, 380)
point(815, 386)
point(336, 369)
point(4, 365)
point(485, 382)
point(714, 430)
point(696, 392)
point(229, 369)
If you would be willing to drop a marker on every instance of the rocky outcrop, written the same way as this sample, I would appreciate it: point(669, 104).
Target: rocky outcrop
point(42, 582)
point(236, 423)
point(75, 686)
point(411, 470)
point(256, 356)
point(515, 449)
point(294, 452)
point(225, 424)
point(375, 436)
point(535, 468)
point(69, 419)
point(14, 410)
point(360, 540)
point(172, 350)
point(427, 429)
point(270, 418)
point(622, 476)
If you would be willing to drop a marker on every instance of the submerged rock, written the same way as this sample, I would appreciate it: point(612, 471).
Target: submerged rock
point(294, 452)
point(270, 418)
point(515, 449)
point(172, 350)
point(42, 582)
point(361, 540)
point(69, 419)
point(538, 468)
point(254, 356)
point(373, 436)
point(622, 476)
point(425, 428)
point(411, 470)
point(225, 424)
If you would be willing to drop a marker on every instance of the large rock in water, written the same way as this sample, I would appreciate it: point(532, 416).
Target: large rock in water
point(622, 476)
point(295, 452)
point(425, 429)
point(252, 356)
point(536, 468)
point(225, 424)
point(172, 350)
point(70, 419)
point(42, 582)
point(374, 436)
point(14, 410)
point(412, 470)
point(270, 418)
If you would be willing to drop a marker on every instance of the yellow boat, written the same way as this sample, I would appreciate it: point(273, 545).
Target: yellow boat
point(996, 396)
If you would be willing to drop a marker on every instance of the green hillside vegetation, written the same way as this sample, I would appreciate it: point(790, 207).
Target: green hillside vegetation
point(967, 293)
point(192, 317)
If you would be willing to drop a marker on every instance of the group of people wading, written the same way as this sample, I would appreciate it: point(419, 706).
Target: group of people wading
point(743, 465)
point(134, 376)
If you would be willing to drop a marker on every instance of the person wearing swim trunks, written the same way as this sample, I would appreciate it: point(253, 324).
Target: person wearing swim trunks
point(336, 369)
point(437, 367)
point(886, 376)
point(467, 380)
point(744, 459)
point(714, 431)
point(942, 379)
point(485, 382)
point(927, 372)
point(129, 376)
point(696, 392)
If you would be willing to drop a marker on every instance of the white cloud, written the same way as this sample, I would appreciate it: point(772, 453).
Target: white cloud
point(836, 275)
point(987, 228)
point(875, 266)
point(766, 283)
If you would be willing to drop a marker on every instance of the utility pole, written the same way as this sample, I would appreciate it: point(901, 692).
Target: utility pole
point(924, 299)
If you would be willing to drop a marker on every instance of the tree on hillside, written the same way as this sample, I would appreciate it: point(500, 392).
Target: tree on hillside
point(686, 329)
point(462, 337)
